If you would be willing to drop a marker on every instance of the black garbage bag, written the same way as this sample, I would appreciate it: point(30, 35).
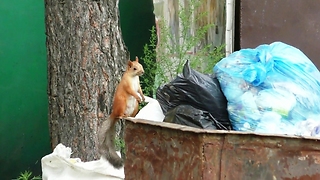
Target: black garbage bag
point(198, 90)
point(193, 117)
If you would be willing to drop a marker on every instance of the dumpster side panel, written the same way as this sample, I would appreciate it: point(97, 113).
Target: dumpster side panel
point(256, 157)
point(154, 152)
point(212, 152)
point(169, 151)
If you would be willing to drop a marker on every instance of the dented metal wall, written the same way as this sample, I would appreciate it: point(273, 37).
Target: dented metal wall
point(295, 22)
point(169, 151)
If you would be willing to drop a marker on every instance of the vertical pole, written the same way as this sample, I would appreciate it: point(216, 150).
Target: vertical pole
point(230, 9)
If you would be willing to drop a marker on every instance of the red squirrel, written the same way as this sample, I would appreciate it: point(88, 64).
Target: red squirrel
point(125, 104)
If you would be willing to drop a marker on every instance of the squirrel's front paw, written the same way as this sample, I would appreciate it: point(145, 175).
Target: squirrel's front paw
point(139, 99)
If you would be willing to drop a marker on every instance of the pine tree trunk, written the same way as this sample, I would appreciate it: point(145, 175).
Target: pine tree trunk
point(86, 58)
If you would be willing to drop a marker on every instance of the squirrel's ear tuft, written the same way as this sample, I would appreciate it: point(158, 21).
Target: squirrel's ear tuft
point(129, 63)
point(137, 59)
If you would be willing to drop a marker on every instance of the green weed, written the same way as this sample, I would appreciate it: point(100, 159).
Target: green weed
point(26, 175)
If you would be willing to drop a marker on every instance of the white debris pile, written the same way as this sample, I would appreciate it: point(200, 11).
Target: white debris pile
point(59, 166)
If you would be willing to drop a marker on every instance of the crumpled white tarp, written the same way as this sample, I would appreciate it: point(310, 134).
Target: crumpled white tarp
point(59, 166)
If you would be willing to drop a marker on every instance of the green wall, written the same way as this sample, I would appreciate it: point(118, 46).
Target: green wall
point(24, 136)
point(136, 20)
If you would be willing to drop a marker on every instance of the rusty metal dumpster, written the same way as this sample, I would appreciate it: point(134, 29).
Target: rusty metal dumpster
point(168, 151)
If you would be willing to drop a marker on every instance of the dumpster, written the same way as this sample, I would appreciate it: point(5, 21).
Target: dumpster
point(159, 150)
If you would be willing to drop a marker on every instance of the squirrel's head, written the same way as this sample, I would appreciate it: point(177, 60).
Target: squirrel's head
point(135, 68)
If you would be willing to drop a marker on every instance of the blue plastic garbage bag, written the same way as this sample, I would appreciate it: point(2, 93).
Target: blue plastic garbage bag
point(271, 89)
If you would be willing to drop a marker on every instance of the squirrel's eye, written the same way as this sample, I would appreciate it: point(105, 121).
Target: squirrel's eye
point(134, 68)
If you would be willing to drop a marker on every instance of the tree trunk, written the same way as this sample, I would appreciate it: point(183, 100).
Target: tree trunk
point(86, 58)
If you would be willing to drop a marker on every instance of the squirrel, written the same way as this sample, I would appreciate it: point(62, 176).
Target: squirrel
point(125, 104)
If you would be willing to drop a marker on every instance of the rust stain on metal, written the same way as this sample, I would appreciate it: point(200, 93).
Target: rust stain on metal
point(170, 151)
point(212, 146)
point(156, 153)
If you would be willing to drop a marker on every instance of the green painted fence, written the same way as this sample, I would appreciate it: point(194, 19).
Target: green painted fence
point(24, 136)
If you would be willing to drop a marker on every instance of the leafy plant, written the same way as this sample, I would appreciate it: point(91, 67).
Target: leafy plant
point(26, 175)
point(171, 52)
point(149, 61)
point(119, 145)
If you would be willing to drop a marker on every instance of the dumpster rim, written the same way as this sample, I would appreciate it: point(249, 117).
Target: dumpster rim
point(207, 131)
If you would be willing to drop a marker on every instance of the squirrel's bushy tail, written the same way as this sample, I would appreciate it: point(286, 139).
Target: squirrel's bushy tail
point(106, 137)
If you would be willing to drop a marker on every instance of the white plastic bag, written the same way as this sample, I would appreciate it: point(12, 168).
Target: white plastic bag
point(152, 111)
point(59, 166)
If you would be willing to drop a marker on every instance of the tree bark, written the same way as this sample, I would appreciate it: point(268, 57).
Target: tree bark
point(86, 58)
